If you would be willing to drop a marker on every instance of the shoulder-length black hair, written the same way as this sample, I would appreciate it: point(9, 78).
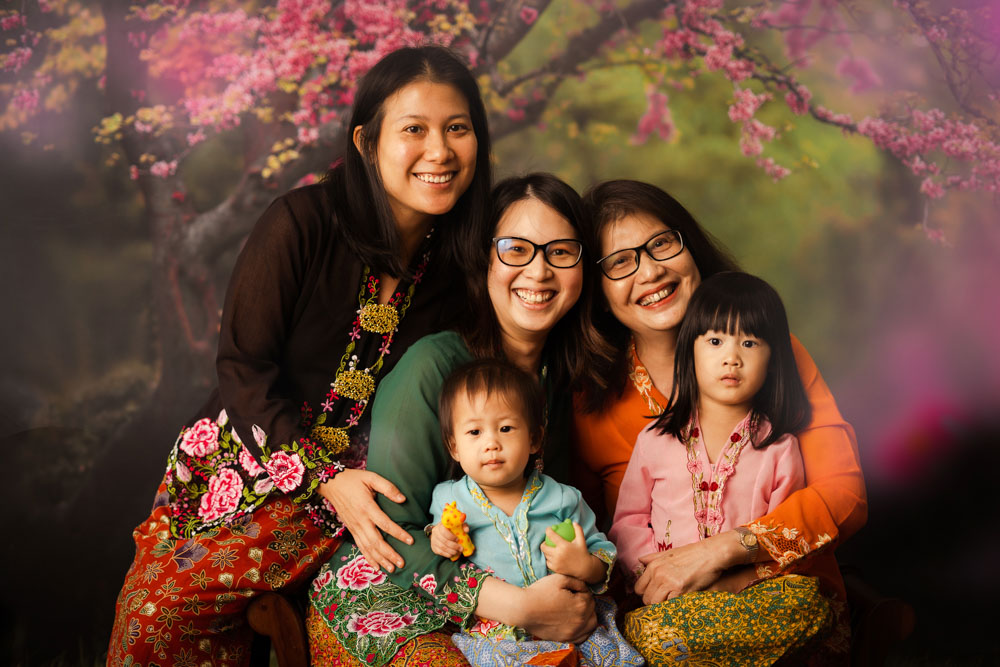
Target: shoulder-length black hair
point(362, 214)
point(568, 345)
point(735, 302)
point(608, 203)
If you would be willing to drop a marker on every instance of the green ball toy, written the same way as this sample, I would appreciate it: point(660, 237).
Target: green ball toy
point(564, 530)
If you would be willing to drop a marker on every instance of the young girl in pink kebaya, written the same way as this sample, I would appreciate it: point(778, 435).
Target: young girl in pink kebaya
point(722, 454)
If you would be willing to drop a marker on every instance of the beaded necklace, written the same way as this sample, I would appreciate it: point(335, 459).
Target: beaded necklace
point(358, 384)
point(707, 495)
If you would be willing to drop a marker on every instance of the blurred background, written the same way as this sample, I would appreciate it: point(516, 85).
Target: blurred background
point(893, 293)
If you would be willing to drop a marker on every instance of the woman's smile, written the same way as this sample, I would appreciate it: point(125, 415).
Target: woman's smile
point(529, 300)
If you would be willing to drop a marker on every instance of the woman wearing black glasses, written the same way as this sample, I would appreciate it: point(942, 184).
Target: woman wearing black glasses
point(529, 304)
point(652, 256)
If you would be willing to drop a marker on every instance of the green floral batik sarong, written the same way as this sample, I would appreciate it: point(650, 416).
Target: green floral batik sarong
point(771, 620)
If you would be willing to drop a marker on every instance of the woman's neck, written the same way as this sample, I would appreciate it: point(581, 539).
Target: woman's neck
point(411, 235)
point(656, 352)
point(526, 354)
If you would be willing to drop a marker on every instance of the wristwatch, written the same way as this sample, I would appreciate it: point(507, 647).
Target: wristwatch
point(749, 542)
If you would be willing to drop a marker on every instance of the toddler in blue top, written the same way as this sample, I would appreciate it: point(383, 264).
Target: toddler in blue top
point(492, 422)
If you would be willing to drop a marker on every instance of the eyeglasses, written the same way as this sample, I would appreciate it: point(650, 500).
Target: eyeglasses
point(623, 263)
point(561, 253)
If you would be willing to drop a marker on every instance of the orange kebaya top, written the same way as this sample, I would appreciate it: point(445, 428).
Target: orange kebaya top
point(800, 533)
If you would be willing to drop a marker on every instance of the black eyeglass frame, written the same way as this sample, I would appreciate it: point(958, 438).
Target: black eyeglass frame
point(645, 247)
point(534, 250)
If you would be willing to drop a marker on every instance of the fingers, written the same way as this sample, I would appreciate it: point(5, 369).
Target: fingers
point(380, 484)
point(575, 585)
point(377, 550)
point(578, 538)
point(390, 527)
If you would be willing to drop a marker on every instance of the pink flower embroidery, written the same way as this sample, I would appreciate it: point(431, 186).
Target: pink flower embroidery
point(286, 470)
point(713, 517)
point(248, 463)
point(201, 439)
point(694, 467)
point(726, 469)
point(483, 627)
point(235, 436)
point(700, 515)
point(262, 487)
point(379, 623)
point(183, 473)
point(358, 575)
point(223, 495)
point(223, 418)
point(320, 582)
point(428, 583)
point(259, 436)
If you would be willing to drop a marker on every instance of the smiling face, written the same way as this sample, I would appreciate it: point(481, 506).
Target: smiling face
point(491, 440)
point(730, 368)
point(426, 150)
point(529, 300)
point(652, 300)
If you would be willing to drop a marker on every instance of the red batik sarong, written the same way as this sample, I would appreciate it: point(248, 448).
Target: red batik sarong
point(184, 599)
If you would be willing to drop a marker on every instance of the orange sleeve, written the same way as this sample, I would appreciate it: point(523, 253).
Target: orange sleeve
point(833, 505)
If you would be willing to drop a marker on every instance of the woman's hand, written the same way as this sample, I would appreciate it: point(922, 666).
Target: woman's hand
point(444, 543)
point(352, 493)
point(692, 567)
point(559, 608)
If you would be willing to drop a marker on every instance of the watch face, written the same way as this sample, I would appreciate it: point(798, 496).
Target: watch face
point(749, 540)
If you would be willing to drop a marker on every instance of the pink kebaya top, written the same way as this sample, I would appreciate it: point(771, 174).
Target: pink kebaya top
point(672, 495)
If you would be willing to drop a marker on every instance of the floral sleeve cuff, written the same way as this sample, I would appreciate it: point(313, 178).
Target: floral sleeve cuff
point(373, 617)
point(786, 546)
point(213, 479)
point(608, 559)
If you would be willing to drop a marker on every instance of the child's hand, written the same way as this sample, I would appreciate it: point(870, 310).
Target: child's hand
point(444, 543)
point(572, 558)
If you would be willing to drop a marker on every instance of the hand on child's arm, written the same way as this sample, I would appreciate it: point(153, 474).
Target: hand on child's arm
point(573, 558)
point(444, 543)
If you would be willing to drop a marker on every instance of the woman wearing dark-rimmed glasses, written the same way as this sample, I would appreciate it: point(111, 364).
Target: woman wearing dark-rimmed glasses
point(529, 304)
point(652, 256)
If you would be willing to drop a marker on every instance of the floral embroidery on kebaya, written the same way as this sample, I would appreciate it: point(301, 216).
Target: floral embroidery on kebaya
point(785, 545)
point(213, 479)
point(372, 617)
point(641, 380)
point(707, 494)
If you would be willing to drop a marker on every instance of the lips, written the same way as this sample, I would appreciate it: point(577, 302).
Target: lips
point(495, 463)
point(653, 298)
point(436, 179)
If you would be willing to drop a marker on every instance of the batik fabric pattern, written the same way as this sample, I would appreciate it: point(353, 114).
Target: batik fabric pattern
point(184, 599)
point(432, 649)
point(782, 618)
point(605, 647)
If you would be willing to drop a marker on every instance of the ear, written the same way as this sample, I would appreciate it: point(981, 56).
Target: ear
point(536, 444)
point(356, 136)
point(450, 444)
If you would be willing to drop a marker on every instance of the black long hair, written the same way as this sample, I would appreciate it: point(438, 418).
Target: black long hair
point(735, 302)
point(567, 345)
point(608, 203)
point(363, 216)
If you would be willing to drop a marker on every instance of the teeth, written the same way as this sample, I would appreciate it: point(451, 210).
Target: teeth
point(534, 297)
point(431, 178)
point(659, 296)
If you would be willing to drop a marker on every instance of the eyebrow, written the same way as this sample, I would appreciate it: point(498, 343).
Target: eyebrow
point(411, 116)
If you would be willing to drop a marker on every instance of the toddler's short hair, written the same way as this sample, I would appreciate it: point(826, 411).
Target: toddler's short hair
point(492, 376)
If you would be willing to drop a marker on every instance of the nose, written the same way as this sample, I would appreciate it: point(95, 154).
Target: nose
point(649, 269)
point(538, 268)
point(492, 443)
point(731, 356)
point(437, 148)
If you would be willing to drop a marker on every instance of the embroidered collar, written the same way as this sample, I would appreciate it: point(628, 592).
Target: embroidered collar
point(707, 493)
point(641, 380)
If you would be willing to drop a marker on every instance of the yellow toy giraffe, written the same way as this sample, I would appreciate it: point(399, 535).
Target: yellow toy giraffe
point(453, 520)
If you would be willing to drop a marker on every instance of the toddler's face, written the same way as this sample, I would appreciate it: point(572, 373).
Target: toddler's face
point(730, 368)
point(491, 440)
